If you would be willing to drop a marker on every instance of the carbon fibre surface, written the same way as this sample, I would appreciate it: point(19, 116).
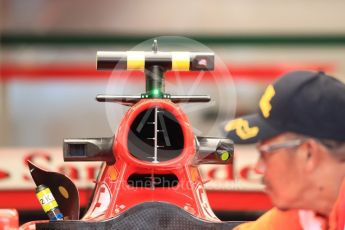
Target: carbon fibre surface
point(145, 216)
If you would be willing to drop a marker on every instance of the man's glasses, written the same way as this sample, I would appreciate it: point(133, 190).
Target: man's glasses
point(285, 144)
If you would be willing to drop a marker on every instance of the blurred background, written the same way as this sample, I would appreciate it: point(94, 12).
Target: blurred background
point(48, 79)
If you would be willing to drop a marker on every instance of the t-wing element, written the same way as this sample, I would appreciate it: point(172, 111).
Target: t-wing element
point(212, 150)
point(155, 64)
point(130, 100)
point(141, 60)
point(89, 149)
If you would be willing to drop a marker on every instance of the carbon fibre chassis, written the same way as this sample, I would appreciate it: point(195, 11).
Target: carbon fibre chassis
point(148, 215)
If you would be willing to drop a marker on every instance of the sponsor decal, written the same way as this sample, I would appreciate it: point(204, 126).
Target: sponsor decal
point(15, 175)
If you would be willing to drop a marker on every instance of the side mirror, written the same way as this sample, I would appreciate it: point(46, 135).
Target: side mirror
point(212, 150)
point(89, 149)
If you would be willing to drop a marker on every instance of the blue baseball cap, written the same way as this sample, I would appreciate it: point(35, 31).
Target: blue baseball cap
point(304, 102)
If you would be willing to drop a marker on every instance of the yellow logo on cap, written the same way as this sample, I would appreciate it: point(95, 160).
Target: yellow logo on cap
point(242, 128)
point(265, 101)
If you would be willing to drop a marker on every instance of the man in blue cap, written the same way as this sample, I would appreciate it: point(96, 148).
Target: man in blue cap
point(300, 130)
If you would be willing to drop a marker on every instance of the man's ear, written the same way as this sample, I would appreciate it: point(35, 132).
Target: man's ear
point(311, 155)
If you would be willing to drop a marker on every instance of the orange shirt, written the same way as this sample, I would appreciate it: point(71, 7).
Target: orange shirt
point(274, 219)
point(301, 219)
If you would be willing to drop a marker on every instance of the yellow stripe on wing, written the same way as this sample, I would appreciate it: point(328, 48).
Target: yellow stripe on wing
point(180, 61)
point(135, 60)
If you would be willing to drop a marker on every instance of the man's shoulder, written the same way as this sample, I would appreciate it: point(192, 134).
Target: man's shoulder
point(274, 219)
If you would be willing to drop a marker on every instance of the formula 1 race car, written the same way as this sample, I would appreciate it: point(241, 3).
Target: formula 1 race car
point(149, 178)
